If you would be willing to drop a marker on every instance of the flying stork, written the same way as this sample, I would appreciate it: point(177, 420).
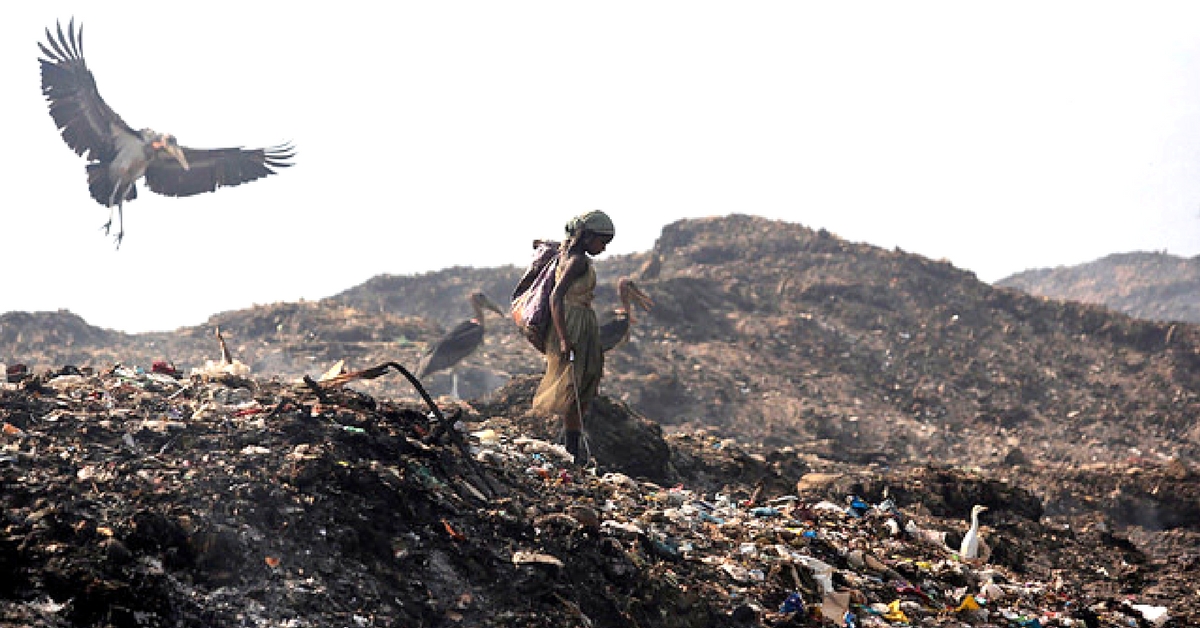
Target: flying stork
point(458, 343)
point(616, 329)
point(118, 155)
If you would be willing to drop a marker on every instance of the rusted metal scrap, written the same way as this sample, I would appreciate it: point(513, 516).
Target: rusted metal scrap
point(442, 428)
point(372, 373)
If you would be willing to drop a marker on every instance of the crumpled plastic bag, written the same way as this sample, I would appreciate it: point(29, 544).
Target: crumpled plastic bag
point(1156, 615)
point(213, 368)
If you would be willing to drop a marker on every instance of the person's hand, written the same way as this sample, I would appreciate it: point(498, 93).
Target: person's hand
point(565, 346)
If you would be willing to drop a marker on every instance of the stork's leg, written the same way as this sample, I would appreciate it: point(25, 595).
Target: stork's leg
point(118, 197)
point(454, 383)
point(120, 222)
point(112, 200)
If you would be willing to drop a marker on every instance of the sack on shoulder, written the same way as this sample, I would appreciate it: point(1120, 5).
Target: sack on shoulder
point(530, 308)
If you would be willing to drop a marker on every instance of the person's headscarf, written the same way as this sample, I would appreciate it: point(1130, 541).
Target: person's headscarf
point(595, 221)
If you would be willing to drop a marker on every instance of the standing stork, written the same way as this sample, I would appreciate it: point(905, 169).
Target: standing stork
point(614, 331)
point(458, 343)
point(118, 155)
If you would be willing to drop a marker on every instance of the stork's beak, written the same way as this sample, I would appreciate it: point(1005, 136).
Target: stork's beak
point(175, 151)
point(640, 298)
point(486, 302)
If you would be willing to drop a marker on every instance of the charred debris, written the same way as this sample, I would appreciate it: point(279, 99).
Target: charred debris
point(143, 498)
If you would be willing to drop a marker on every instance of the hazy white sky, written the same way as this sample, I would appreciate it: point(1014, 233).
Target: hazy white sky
point(998, 136)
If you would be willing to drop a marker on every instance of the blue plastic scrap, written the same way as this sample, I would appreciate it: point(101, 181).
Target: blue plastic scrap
point(857, 507)
point(793, 604)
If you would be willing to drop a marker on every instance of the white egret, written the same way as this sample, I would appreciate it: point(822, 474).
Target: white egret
point(970, 542)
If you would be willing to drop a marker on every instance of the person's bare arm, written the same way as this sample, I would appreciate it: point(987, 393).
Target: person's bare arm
point(576, 266)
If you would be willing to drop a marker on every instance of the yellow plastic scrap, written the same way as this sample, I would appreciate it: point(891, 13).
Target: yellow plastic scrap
point(894, 613)
point(968, 604)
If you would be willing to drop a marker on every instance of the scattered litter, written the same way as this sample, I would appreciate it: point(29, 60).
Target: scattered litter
point(249, 472)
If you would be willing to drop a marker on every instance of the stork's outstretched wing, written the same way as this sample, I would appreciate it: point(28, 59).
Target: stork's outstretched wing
point(209, 169)
point(86, 122)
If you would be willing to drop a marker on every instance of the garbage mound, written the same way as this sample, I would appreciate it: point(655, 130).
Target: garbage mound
point(763, 331)
point(143, 498)
point(778, 334)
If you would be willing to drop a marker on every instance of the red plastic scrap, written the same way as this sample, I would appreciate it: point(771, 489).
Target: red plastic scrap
point(164, 367)
point(14, 372)
point(914, 591)
point(455, 534)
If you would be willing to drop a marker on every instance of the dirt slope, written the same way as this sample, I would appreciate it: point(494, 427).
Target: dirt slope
point(1155, 286)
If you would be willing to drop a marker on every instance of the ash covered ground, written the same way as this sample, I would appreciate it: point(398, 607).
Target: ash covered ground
point(136, 499)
